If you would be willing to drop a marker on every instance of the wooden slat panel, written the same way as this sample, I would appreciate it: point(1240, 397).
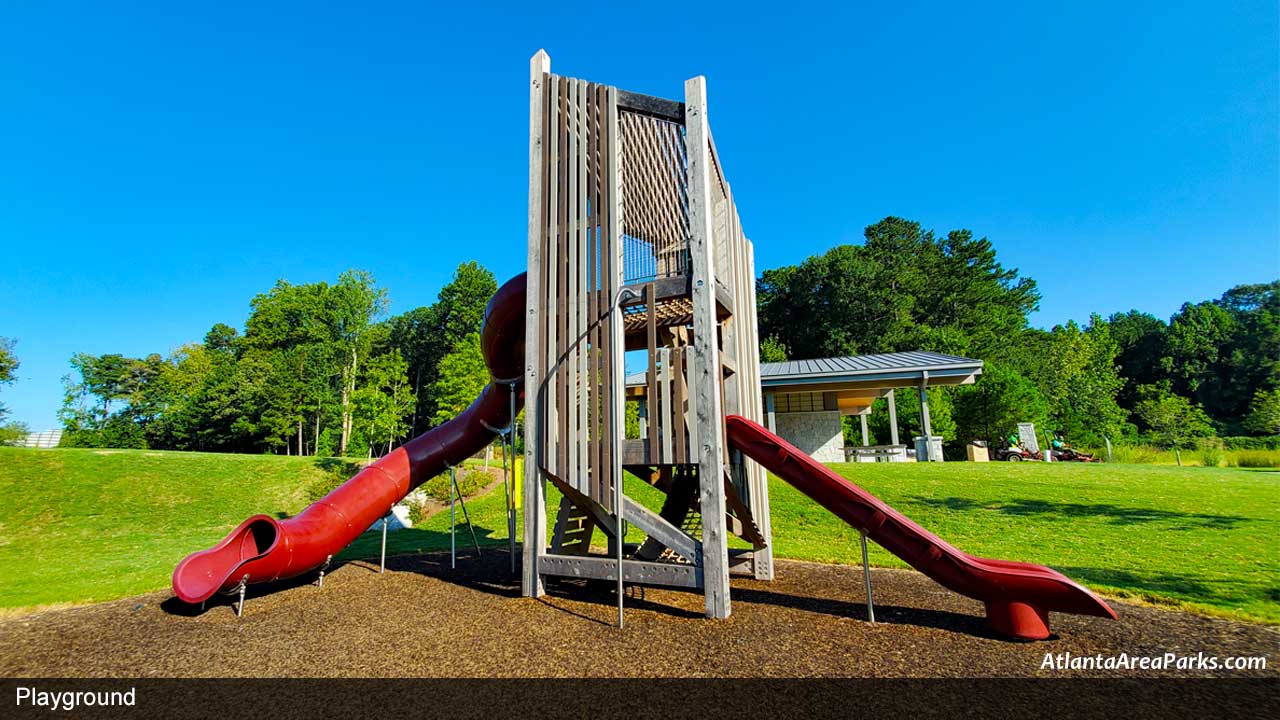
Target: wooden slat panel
point(763, 564)
point(571, 442)
point(551, 391)
point(583, 291)
point(593, 285)
point(562, 286)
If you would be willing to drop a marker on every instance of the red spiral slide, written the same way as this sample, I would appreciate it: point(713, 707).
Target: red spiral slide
point(263, 549)
point(1018, 596)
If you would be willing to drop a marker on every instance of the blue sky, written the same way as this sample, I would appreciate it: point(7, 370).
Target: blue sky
point(164, 163)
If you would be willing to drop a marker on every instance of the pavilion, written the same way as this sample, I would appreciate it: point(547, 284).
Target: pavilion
point(805, 400)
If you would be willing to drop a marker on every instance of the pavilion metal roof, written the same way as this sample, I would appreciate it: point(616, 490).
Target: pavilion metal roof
point(863, 369)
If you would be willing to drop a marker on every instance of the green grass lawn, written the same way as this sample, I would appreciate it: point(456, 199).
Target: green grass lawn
point(82, 525)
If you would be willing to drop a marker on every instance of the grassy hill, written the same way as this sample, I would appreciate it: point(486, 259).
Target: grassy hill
point(84, 525)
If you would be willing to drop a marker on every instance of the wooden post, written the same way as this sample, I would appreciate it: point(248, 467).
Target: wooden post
point(893, 420)
point(863, 418)
point(924, 416)
point(769, 413)
point(617, 340)
point(706, 361)
point(763, 556)
point(535, 520)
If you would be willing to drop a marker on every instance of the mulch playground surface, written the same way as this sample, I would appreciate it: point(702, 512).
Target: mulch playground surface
point(422, 619)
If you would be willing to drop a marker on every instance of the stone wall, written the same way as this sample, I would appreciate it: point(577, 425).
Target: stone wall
point(817, 433)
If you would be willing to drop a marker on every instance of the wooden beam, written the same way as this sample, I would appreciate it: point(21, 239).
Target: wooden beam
point(599, 515)
point(633, 571)
point(662, 108)
point(742, 563)
point(744, 525)
point(663, 288)
point(535, 519)
point(709, 419)
point(664, 532)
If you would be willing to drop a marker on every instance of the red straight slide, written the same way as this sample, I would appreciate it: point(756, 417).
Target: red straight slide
point(1018, 596)
point(263, 548)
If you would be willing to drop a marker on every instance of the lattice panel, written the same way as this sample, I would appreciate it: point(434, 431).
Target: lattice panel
point(655, 196)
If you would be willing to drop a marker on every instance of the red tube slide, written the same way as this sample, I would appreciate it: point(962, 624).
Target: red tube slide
point(264, 549)
point(1018, 596)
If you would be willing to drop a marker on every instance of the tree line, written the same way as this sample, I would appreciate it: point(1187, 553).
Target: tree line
point(1211, 369)
point(319, 369)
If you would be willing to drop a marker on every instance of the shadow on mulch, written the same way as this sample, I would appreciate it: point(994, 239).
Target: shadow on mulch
point(889, 614)
point(490, 573)
point(489, 577)
point(174, 606)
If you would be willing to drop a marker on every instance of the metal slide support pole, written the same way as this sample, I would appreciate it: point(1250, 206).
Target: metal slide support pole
point(465, 517)
point(866, 575)
point(511, 493)
point(453, 542)
point(382, 560)
point(244, 584)
point(506, 494)
point(619, 370)
point(325, 566)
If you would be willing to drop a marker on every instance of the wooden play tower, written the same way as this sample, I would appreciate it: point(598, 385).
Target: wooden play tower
point(637, 257)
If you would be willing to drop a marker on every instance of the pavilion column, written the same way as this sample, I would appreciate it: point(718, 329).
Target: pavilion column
point(769, 413)
point(924, 416)
point(863, 418)
point(893, 420)
point(643, 417)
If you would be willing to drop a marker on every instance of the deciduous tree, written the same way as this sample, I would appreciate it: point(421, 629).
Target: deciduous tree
point(1172, 418)
point(462, 375)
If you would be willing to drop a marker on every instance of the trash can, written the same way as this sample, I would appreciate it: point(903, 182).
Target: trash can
point(934, 450)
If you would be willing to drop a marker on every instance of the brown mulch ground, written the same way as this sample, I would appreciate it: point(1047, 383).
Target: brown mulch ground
point(423, 619)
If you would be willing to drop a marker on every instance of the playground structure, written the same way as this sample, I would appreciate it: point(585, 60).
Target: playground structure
point(635, 247)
